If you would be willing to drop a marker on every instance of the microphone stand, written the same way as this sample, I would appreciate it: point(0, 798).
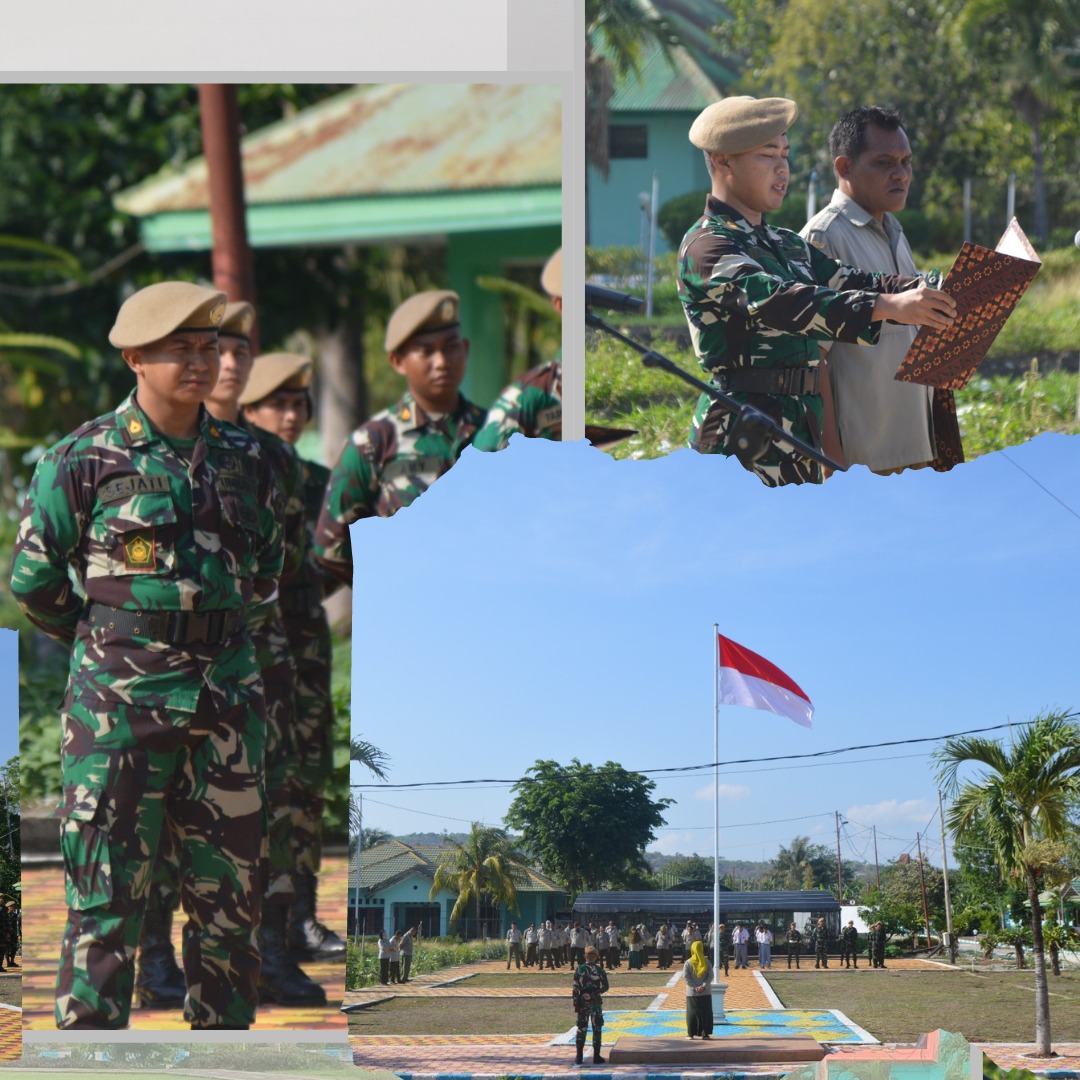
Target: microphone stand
point(751, 434)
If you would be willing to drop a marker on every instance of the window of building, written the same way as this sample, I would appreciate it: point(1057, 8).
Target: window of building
point(628, 141)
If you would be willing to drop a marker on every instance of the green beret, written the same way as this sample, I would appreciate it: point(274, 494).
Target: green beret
point(551, 278)
point(238, 320)
point(737, 124)
point(434, 310)
point(156, 311)
point(276, 371)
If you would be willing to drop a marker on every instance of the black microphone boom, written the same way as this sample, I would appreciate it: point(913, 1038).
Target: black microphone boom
point(612, 300)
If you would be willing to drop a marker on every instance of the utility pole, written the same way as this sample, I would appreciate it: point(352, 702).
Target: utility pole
point(839, 865)
point(877, 872)
point(922, 886)
point(233, 266)
point(953, 943)
point(359, 848)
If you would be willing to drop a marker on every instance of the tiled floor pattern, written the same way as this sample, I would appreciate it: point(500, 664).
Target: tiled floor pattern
point(1014, 1056)
point(44, 915)
point(10, 1034)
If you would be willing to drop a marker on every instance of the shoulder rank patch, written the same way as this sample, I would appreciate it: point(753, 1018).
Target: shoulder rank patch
point(139, 553)
point(125, 486)
point(135, 426)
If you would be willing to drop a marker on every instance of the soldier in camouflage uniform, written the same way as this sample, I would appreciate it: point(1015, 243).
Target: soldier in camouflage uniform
point(794, 944)
point(532, 406)
point(278, 399)
point(590, 985)
point(849, 943)
point(169, 522)
point(819, 938)
point(399, 453)
point(758, 299)
point(724, 935)
point(13, 920)
point(876, 944)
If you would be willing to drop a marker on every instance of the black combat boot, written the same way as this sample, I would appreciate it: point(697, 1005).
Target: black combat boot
point(159, 982)
point(579, 1060)
point(596, 1058)
point(308, 939)
point(281, 982)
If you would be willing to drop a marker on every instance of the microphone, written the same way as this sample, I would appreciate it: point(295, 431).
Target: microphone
point(612, 300)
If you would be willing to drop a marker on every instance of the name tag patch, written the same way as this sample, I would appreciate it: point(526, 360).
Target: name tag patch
point(126, 486)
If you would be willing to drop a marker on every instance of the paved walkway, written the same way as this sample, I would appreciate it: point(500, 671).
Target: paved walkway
point(45, 913)
point(1016, 1056)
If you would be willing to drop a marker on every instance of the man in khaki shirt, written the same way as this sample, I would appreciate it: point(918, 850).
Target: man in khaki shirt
point(884, 424)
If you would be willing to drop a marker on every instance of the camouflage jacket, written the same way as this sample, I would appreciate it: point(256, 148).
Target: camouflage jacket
point(794, 937)
point(303, 595)
point(849, 936)
point(756, 296)
point(386, 464)
point(531, 406)
point(146, 529)
point(819, 937)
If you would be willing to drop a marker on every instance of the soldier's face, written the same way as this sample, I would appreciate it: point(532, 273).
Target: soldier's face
point(879, 177)
point(284, 413)
point(433, 364)
point(236, 360)
point(755, 182)
point(180, 369)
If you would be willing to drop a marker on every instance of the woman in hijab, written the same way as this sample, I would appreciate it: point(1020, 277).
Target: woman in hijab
point(697, 974)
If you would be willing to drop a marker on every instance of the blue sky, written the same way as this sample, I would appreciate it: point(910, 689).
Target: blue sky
point(549, 602)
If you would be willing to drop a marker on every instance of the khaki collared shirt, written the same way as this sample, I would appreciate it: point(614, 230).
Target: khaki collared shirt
point(884, 424)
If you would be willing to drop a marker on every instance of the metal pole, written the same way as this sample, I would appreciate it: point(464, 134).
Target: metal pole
point(234, 268)
point(945, 873)
point(1010, 200)
point(359, 849)
point(839, 865)
point(922, 886)
point(967, 209)
point(877, 871)
point(716, 803)
point(652, 242)
point(7, 812)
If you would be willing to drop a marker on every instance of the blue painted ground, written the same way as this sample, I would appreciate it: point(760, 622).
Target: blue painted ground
point(822, 1025)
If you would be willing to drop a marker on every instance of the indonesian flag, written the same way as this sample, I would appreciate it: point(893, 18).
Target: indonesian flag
point(749, 679)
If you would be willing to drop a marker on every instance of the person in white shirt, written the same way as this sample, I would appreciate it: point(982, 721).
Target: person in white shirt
point(739, 937)
point(513, 946)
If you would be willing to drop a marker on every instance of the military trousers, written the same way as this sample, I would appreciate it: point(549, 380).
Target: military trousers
point(132, 773)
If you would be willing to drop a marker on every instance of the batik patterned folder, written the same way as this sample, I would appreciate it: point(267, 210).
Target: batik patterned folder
point(986, 286)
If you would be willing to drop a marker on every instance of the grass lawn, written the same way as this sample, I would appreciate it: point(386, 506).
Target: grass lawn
point(11, 989)
point(898, 1006)
point(560, 978)
point(472, 1016)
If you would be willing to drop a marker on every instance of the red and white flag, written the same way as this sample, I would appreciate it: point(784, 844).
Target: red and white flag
point(751, 680)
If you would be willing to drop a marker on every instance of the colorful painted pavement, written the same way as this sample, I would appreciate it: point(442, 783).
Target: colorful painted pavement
point(10, 1032)
point(44, 915)
point(1066, 1065)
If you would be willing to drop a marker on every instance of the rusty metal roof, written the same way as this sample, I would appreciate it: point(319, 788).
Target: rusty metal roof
point(385, 140)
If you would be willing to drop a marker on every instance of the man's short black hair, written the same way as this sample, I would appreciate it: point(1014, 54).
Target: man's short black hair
point(848, 136)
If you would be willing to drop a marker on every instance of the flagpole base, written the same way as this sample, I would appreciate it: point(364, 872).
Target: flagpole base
point(718, 990)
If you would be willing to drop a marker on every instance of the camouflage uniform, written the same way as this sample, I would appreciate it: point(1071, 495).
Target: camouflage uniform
point(758, 300)
point(876, 945)
point(590, 984)
point(532, 406)
point(173, 542)
point(819, 938)
point(849, 943)
point(794, 944)
point(388, 462)
point(725, 948)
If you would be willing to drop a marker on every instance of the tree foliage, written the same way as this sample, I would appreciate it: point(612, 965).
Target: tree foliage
point(482, 866)
point(1022, 800)
point(803, 865)
point(586, 825)
point(898, 902)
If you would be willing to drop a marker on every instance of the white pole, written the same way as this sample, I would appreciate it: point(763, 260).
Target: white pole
point(716, 802)
point(652, 242)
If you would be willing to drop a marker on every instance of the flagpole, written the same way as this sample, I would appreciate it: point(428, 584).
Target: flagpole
point(716, 802)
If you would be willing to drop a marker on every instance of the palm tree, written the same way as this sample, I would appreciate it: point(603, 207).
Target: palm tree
point(1022, 801)
point(483, 866)
point(376, 760)
point(1036, 45)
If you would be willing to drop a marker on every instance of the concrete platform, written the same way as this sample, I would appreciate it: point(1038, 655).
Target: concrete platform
point(695, 1053)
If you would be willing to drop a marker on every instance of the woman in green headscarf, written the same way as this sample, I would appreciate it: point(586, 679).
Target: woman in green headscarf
point(697, 975)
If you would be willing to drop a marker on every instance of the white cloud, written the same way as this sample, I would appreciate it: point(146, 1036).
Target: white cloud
point(728, 793)
point(676, 843)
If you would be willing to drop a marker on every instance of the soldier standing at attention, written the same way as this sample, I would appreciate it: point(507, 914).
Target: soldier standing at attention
point(724, 935)
point(590, 985)
point(759, 299)
point(169, 522)
point(794, 943)
point(849, 942)
point(399, 453)
point(820, 940)
point(877, 944)
point(278, 400)
point(532, 406)
point(531, 940)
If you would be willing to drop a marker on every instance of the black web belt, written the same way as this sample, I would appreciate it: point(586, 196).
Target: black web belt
point(792, 381)
point(172, 627)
